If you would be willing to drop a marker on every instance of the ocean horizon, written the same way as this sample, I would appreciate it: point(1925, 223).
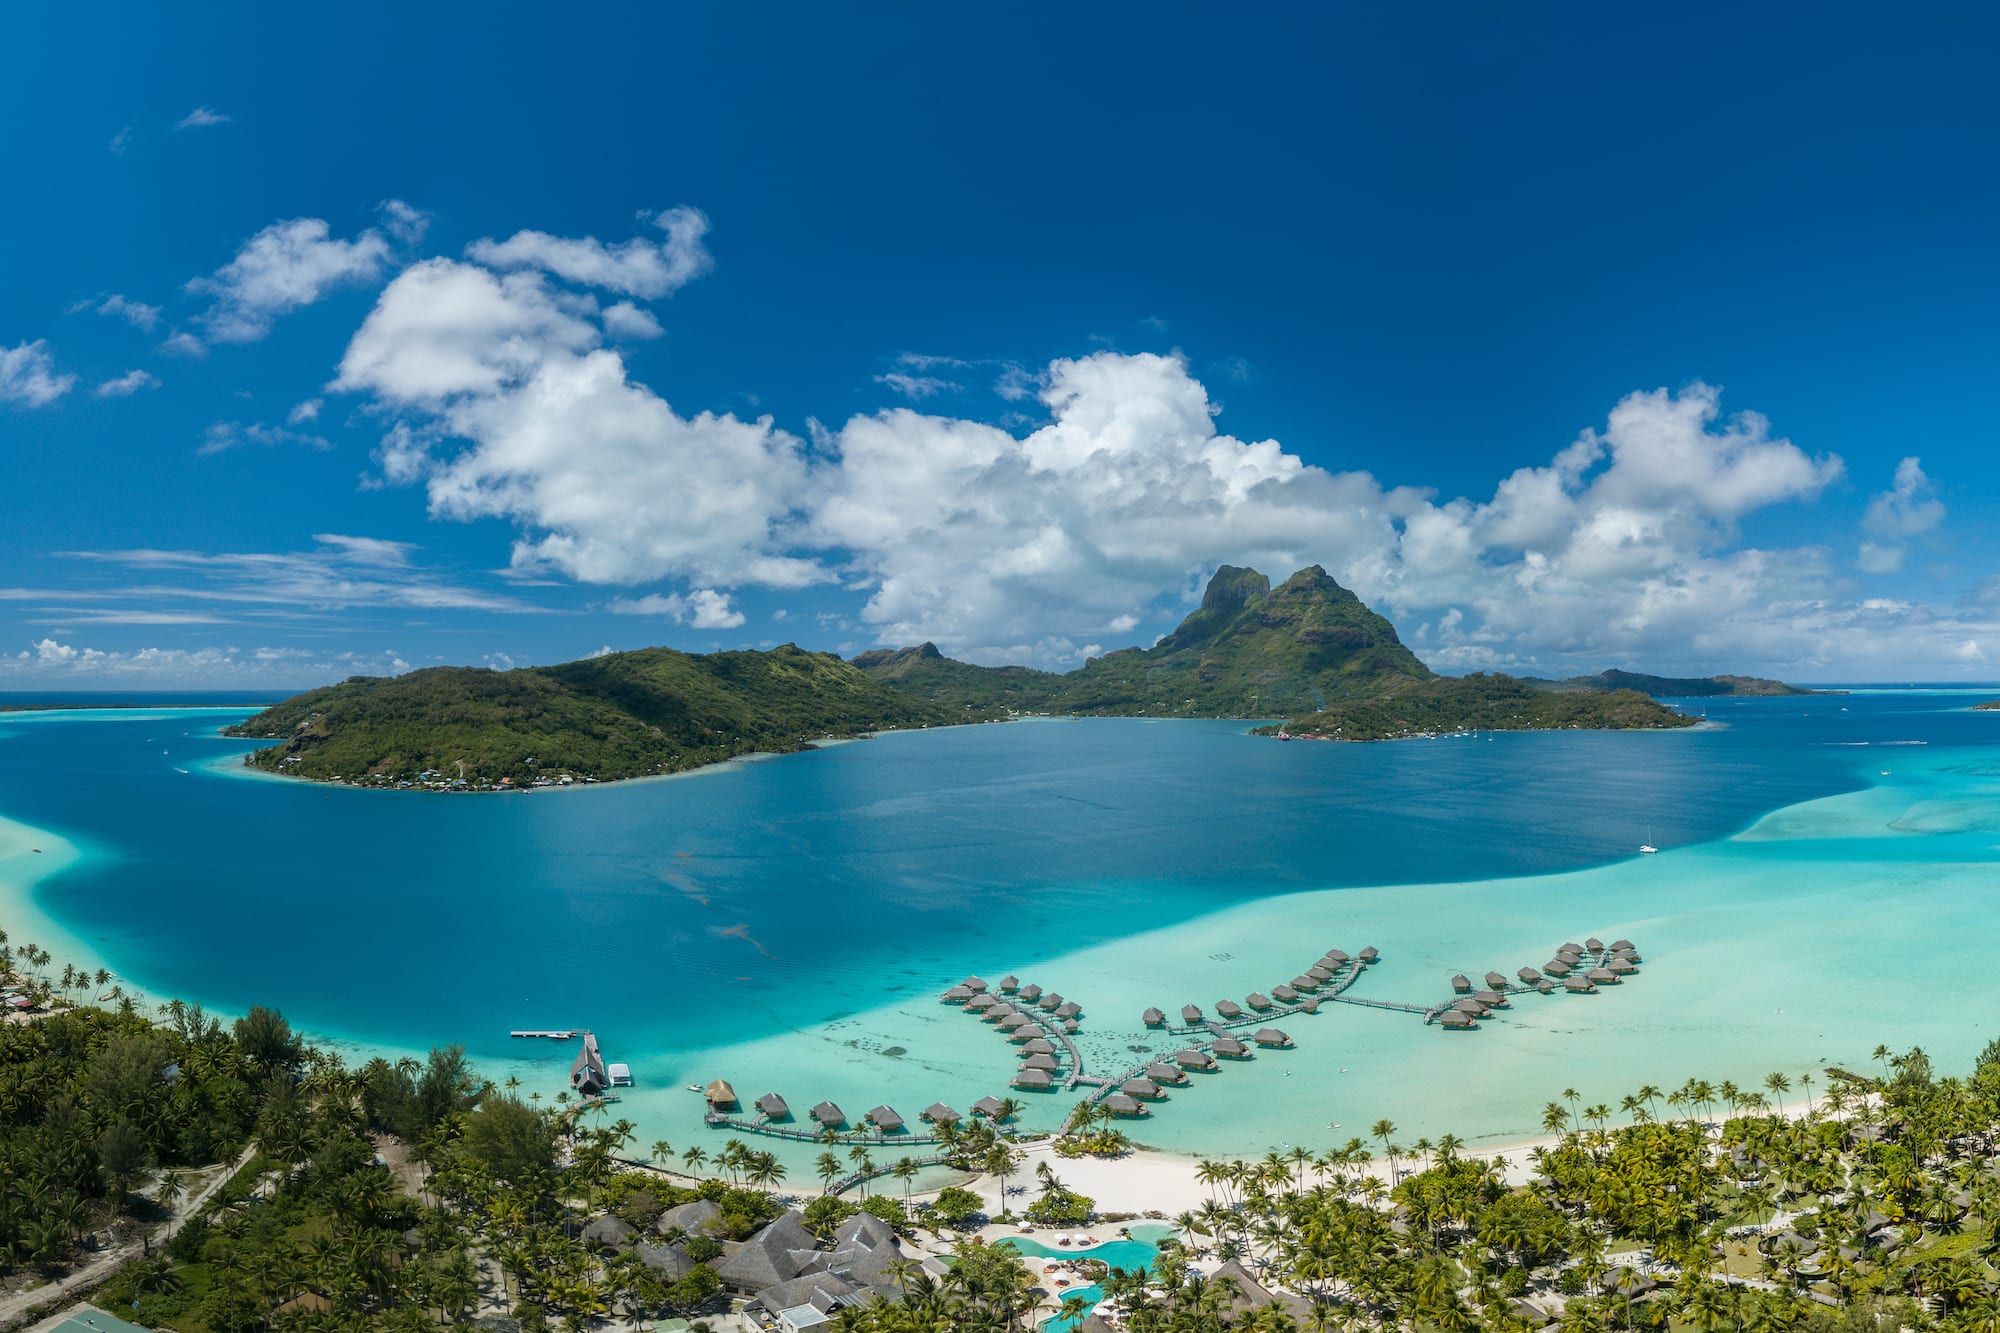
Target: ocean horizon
point(788, 924)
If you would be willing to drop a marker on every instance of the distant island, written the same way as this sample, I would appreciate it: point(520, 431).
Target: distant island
point(1307, 657)
point(1991, 705)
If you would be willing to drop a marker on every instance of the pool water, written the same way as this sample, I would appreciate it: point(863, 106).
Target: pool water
point(1138, 1251)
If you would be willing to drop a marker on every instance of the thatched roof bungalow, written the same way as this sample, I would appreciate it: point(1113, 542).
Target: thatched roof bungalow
point(773, 1106)
point(1305, 981)
point(1603, 976)
point(1570, 956)
point(1229, 1008)
point(1153, 1018)
point(987, 1106)
point(1616, 945)
point(1028, 1033)
point(1193, 1059)
point(1141, 1087)
point(1545, 986)
point(1494, 981)
point(1556, 967)
point(1035, 1080)
point(1258, 1000)
point(1161, 1072)
point(1010, 983)
point(1121, 1105)
point(1489, 998)
point(1579, 986)
point(1046, 1063)
point(1369, 954)
point(828, 1116)
point(1620, 967)
point(1069, 1026)
point(956, 995)
point(1015, 1022)
point(1470, 1006)
point(1230, 1048)
point(940, 1114)
point(1274, 1037)
point(1461, 983)
point(1310, 1004)
point(720, 1095)
point(1570, 946)
point(978, 1004)
point(1068, 1009)
point(885, 1119)
point(1453, 1020)
point(1031, 993)
point(1529, 976)
point(1050, 1001)
point(1321, 972)
point(1038, 1046)
point(973, 984)
point(1284, 995)
point(1594, 944)
point(1337, 957)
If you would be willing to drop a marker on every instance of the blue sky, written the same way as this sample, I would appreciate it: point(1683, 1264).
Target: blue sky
point(1569, 339)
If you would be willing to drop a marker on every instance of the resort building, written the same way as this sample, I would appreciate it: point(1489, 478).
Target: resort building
point(588, 1075)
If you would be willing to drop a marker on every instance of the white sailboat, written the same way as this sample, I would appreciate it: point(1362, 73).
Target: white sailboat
point(1647, 848)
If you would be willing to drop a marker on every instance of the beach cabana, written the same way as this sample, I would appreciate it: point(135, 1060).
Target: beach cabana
point(1452, 1020)
point(1193, 1059)
point(1284, 994)
point(1369, 954)
point(940, 1114)
point(1141, 1087)
point(1045, 1063)
point(885, 1119)
point(828, 1116)
point(1028, 1033)
point(973, 984)
point(1190, 1014)
point(720, 1095)
point(1068, 1009)
point(1038, 1046)
point(1010, 983)
point(1161, 1072)
point(1229, 1008)
point(987, 1106)
point(1035, 1080)
point(1258, 1000)
point(1050, 1001)
point(1230, 1048)
point(956, 995)
point(1489, 998)
point(773, 1107)
point(1031, 993)
point(1119, 1104)
point(1305, 981)
point(1529, 976)
point(1494, 981)
point(1154, 1018)
point(1461, 983)
point(1271, 1037)
point(1578, 985)
point(1602, 976)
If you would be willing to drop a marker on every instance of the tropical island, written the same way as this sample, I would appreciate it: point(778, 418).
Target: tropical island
point(205, 1177)
point(1306, 650)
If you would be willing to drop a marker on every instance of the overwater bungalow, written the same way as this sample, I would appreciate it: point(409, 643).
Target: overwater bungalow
point(1190, 1015)
point(1570, 946)
point(1069, 1027)
point(1049, 1001)
point(885, 1119)
point(1545, 986)
point(1461, 984)
point(1617, 945)
point(1594, 944)
point(1034, 1080)
point(1470, 1006)
point(1230, 1048)
point(1038, 1046)
point(1121, 1105)
point(1031, 993)
point(1494, 981)
point(1304, 981)
point(978, 1004)
point(1621, 967)
point(1529, 976)
point(1273, 1037)
point(1284, 994)
point(1489, 998)
point(988, 1106)
point(1632, 954)
point(1570, 956)
point(1454, 1021)
point(1310, 1004)
point(1579, 986)
point(828, 1116)
point(1154, 1018)
point(1193, 1059)
point(1321, 973)
point(1001, 1013)
point(1010, 983)
point(1258, 1000)
point(940, 1114)
point(1047, 1063)
point(1015, 1022)
point(1161, 1072)
point(1229, 1009)
point(1602, 976)
point(1369, 954)
point(973, 984)
point(956, 995)
point(773, 1107)
point(1068, 1009)
point(1556, 967)
point(1028, 1033)
point(719, 1095)
point(1337, 957)
point(1142, 1088)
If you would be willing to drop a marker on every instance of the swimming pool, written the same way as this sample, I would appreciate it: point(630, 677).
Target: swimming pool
point(1136, 1250)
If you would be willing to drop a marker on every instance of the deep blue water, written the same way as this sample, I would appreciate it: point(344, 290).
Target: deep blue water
point(769, 895)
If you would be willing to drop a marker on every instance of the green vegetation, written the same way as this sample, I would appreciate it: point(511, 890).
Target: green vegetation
point(1307, 649)
point(623, 715)
point(1679, 687)
point(1480, 703)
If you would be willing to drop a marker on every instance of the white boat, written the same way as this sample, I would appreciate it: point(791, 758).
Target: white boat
point(1647, 848)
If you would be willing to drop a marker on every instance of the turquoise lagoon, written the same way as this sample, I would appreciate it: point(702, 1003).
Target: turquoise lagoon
point(1826, 883)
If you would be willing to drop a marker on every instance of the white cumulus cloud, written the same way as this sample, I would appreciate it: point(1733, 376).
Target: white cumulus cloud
point(703, 608)
point(289, 265)
point(28, 375)
point(124, 386)
point(638, 267)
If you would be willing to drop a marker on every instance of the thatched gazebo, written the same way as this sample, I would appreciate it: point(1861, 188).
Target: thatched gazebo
point(773, 1107)
point(1273, 1037)
point(828, 1116)
point(1154, 1018)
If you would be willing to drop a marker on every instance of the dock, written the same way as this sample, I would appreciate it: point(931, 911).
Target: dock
point(553, 1034)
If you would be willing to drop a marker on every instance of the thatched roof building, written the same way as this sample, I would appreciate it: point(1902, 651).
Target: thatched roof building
point(1619, 967)
point(1046, 1063)
point(1616, 945)
point(978, 1003)
point(1069, 1026)
point(1529, 976)
point(1034, 1079)
point(1068, 1009)
point(1038, 1046)
point(1578, 985)
point(827, 1115)
point(973, 984)
point(1594, 944)
point(1010, 983)
point(1369, 954)
point(1230, 1048)
point(1120, 1104)
point(1336, 957)
point(1271, 1037)
point(1321, 972)
point(1494, 981)
point(1461, 983)
point(956, 995)
point(588, 1075)
point(1193, 1059)
point(1284, 994)
point(1154, 1018)
point(1141, 1087)
point(987, 1106)
point(940, 1114)
point(1015, 1022)
point(1229, 1008)
point(885, 1119)
point(1258, 1000)
point(1556, 967)
point(1161, 1072)
point(1489, 998)
point(1190, 1014)
point(1453, 1019)
point(1050, 1001)
point(1310, 1004)
point(1570, 946)
point(1545, 986)
point(1470, 1006)
point(1031, 993)
point(773, 1106)
point(1028, 1033)
point(1603, 976)
point(720, 1095)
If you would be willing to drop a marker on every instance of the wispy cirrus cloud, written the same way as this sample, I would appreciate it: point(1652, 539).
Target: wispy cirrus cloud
point(124, 386)
point(222, 436)
point(201, 118)
point(138, 314)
